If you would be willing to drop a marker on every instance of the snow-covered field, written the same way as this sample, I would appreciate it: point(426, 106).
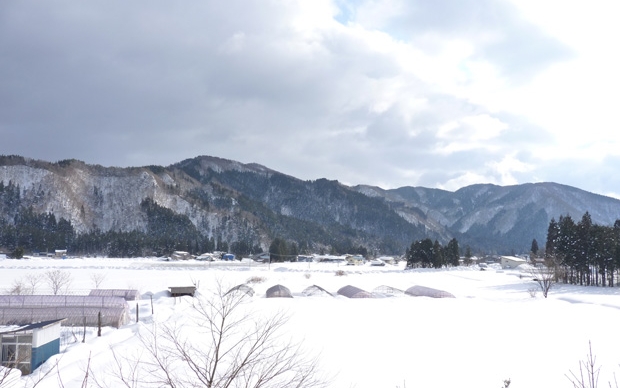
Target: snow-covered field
point(493, 330)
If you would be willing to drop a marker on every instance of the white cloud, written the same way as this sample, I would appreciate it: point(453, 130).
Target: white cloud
point(506, 168)
point(396, 93)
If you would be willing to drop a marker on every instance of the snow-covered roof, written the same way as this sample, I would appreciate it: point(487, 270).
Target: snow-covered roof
point(427, 291)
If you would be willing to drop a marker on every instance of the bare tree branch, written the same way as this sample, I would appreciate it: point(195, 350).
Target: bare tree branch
point(58, 280)
point(224, 346)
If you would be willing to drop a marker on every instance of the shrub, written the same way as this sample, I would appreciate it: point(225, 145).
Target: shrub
point(340, 273)
point(255, 280)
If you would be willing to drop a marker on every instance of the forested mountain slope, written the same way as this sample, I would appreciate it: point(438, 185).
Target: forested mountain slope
point(228, 202)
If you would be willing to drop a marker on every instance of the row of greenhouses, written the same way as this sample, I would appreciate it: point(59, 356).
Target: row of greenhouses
point(280, 291)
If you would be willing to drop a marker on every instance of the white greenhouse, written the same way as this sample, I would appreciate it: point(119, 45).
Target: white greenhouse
point(79, 310)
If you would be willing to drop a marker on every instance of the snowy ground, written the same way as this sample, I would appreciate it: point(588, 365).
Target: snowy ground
point(493, 330)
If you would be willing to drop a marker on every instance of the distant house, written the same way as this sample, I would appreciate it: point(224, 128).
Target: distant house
point(388, 259)
point(355, 259)
point(60, 253)
point(27, 347)
point(206, 257)
point(262, 257)
point(180, 255)
point(511, 261)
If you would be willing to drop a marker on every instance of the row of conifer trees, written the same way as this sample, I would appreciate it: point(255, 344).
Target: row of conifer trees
point(584, 253)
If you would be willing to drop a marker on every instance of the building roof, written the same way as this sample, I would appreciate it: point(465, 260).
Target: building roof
point(32, 326)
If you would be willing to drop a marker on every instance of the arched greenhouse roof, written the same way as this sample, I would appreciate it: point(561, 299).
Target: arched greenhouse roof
point(278, 291)
point(427, 291)
point(354, 292)
point(79, 310)
point(315, 290)
point(386, 291)
point(244, 288)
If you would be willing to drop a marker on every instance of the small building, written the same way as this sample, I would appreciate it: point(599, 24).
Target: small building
point(511, 262)
point(388, 259)
point(354, 259)
point(278, 291)
point(206, 257)
point(60, 253)
point(182, 291)
point(27, 347)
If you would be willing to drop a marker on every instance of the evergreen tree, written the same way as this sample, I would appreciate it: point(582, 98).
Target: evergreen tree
point(451, 255)
point(534, 248)
point(437, 260)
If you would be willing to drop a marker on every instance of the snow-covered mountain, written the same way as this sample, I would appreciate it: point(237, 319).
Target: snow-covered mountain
point(232, 201)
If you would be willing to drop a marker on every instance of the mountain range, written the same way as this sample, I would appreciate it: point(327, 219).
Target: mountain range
point(232, 201)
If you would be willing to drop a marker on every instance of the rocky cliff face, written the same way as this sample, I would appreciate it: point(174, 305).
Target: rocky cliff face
point(231, 200)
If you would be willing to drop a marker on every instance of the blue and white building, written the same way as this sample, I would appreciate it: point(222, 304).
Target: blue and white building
point(27, 347)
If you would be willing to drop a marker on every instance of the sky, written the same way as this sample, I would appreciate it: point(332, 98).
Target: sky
point(390, 93)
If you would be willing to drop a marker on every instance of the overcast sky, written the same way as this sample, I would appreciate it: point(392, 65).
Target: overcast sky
point(390, 93)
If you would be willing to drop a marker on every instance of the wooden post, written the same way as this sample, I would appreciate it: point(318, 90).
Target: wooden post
point(99, 324)
point(137, 313)
point(152, 304)
point(84, 334)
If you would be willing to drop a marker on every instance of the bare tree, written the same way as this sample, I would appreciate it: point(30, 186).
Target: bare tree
point(58, 280)
point(17, 288)
point(588, 373)
point(9, 376)
point(97, 278)
point(33, 281)
point(545, 275)
point(232, 350)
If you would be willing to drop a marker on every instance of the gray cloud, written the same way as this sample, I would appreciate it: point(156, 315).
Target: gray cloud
point(117, 83)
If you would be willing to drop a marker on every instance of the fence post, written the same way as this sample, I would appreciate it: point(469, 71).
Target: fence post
point(99, 324)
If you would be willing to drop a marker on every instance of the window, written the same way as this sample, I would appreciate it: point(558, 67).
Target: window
point(17, 352)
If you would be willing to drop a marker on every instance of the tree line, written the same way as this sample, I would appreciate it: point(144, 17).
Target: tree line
point(584, 253)
point(428, 254)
